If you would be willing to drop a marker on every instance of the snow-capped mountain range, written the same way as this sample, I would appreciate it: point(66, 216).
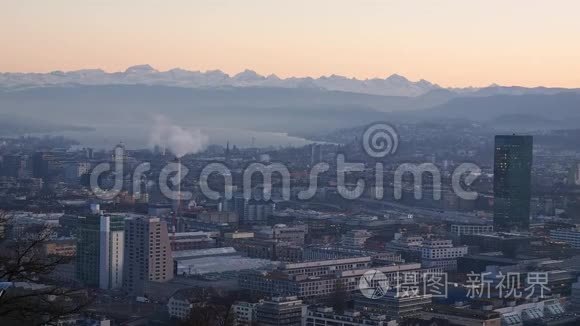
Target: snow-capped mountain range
point(394, 85)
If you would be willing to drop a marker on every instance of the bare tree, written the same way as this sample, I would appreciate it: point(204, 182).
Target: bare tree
point(31, 295)
point(211, 308)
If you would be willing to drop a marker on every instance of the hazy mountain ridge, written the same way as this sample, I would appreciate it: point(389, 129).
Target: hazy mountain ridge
point(394, 85)
point(550, 106)
point(300, 111)
point(300, 106)
point(509, 112)
point(258, 108)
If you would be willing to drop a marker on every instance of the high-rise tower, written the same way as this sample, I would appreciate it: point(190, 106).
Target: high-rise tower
point(148, 253)
point(100, 251)
point(512, 182)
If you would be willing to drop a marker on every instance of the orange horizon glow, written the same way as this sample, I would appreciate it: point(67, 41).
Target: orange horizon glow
point(450, 43)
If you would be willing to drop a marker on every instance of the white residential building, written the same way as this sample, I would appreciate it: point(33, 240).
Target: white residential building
point(442, 254)
point(244, 313)
point(178, 307)
point(569, 236)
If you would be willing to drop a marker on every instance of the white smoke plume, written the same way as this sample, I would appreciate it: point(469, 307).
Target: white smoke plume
point(178, 140)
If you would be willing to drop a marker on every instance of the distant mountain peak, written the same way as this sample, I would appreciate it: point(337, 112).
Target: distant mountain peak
point(335, 76)
point(273, 77)
point(216, 72)
point(397, 78)
point(248, 75)
point(140, 69)
point(178, 70)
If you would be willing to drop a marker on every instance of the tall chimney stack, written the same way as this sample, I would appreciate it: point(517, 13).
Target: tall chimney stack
point(177, 201)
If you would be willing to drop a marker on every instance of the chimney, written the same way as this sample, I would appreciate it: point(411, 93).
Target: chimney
point(177, 201)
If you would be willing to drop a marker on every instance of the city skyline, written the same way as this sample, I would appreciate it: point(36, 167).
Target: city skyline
point(290, 163)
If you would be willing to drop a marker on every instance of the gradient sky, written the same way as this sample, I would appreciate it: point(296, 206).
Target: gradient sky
point(450, 42)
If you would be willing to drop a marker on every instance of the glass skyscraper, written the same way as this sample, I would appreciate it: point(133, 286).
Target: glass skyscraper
point(100, 251)
point(512, 182)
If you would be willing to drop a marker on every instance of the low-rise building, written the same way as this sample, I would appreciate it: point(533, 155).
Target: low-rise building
point(441, 253)
point(283, 233)
point(355, 238)
point(325, 267)
point(510, 244)
point(192, 240)
point(289, 253)
point(326, 316)
point(462, 316)
point(569, 236)
point(244, 313)
point(225, 260)
point(179, 305)
point(380, 257)
point(281, 283)
point(393, 305)
point(281, 311)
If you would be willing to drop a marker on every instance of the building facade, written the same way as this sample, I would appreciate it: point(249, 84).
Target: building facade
point(281, 311)
point(512, 182)
point(326, 316)
point(100, 254)
point(244, 313)
point(569, 236)
point(441, 253)
point(148, 253)
point(393, 305)
point(257, 211)
point(355, 238)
